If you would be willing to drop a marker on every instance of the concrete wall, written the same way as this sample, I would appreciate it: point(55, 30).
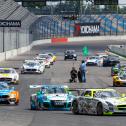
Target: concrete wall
point(118, 49)
point(97, 38)
point(15, 52)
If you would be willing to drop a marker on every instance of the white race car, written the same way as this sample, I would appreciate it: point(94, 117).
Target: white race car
point(101, 57)
point(45, 58)
point(32, 66)
point(99, 102)
point(92, 61)
point(9, 75)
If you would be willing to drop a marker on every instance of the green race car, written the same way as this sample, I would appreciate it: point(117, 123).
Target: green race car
point(50, 97)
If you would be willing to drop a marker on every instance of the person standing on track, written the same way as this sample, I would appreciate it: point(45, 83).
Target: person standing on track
point(83, 71)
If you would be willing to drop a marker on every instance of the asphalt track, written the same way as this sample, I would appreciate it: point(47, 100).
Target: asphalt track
point(97, 77)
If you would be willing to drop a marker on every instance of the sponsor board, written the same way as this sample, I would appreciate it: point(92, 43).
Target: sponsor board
point(10, 23)
point(87, 29)
point(59, 40)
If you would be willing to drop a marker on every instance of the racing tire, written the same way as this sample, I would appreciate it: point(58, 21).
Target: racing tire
point(99, 109)
point(75, 108)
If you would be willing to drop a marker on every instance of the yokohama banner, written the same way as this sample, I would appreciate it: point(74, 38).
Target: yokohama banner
point(87, 29)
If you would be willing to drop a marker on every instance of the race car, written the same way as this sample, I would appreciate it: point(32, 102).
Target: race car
point(52, 55)
point(92, 61)
point(45, 56)
point(117, 68)
point(32, 66)
point(101, 56)
point(99, 102)
point(9, 75)
point(120, 79)
point(111, 60)
point(8, 95)
point(50, 97)
point(70, 54)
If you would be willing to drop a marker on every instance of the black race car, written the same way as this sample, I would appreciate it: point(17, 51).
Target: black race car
point(70, 54)
point(111, 60)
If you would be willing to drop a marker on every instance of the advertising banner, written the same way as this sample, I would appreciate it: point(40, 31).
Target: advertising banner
point(10, 23)
point(87, 29)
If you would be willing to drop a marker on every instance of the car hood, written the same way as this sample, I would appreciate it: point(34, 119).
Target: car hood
point(91, 60)
point(116, 101)
point(57, 96)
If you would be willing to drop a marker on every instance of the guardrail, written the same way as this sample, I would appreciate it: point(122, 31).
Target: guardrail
point(118, 49)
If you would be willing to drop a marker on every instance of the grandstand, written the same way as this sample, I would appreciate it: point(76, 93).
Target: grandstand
point(51, 22)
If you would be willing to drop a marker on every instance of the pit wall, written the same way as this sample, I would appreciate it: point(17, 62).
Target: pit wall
point(12, 53)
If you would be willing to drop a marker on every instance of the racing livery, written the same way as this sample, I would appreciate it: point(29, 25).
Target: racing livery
point(8, 95)
point(9, 75)
point(117, 68)
point(92, 61)
point(99, 102)
point(51, 97)
point(120, 79)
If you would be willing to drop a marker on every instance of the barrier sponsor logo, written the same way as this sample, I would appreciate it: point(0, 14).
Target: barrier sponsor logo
point(59, 40)
point(87, 29)
point(10, 23)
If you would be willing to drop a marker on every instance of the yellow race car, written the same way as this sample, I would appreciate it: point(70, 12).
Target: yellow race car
point(120, 79)
point(53, 56)
point(9, 75)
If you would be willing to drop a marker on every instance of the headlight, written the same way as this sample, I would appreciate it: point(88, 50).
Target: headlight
point(15, 77)
point(12, 95)
point(44, 98)
point(74, 55)
point(70, 98)
point(110, 105)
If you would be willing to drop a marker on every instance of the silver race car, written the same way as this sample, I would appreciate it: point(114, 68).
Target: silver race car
point(32, 66)
point(99, 102)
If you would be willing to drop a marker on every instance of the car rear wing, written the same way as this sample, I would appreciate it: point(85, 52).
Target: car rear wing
point(35, 86)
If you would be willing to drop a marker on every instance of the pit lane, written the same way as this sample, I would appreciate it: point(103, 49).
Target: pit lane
point(97, 77)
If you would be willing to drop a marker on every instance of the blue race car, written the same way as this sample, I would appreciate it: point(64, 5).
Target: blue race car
point(8, 95)
point(50, 97)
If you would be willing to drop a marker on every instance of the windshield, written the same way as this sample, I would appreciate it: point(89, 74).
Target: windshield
point(70, 51)
point(122, 74)
point(6, 71)
point(3, 86)
point(31, 64)
point(53, 90)
point(43, 56)
point(106, 94)
point(93, 57)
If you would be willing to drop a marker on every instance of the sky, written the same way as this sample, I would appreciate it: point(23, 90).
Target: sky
point(122, 1)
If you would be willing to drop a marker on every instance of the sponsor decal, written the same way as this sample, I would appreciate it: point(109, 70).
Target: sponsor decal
point(87, 29)
point(59, 40)
point(10, 23)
